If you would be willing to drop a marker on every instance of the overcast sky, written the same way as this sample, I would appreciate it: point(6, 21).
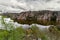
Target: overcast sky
point(24, 5)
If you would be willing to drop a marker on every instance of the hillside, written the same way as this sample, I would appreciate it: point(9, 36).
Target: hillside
point(40, 17)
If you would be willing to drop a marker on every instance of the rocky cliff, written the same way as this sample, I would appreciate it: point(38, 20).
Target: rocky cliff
point(40, 17)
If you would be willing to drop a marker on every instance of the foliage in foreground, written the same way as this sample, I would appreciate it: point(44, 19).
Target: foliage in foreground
point(11, 33)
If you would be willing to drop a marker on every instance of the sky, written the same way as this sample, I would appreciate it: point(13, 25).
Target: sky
point(15, 6)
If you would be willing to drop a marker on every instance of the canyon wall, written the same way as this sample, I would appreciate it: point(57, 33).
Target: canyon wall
point(40, 17)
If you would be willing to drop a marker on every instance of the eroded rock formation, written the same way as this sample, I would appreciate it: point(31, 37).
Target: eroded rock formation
point(39, 17)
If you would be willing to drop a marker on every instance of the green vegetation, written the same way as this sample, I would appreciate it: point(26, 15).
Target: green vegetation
point(33, 33)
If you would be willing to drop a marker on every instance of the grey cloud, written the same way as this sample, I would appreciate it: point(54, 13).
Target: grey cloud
point(23, 5)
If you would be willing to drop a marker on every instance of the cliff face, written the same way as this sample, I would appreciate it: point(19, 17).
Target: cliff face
point(40, 17)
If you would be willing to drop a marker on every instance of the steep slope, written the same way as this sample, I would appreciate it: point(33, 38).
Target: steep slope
point(39, 17)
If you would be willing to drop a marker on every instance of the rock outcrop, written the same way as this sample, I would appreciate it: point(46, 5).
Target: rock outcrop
point(40, 17)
